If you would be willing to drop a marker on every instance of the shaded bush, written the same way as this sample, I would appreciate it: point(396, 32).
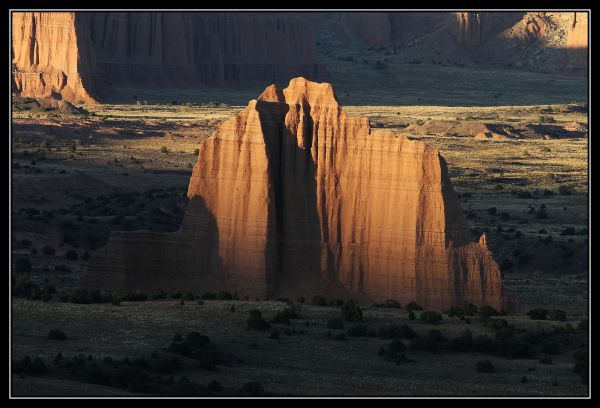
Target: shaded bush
point(48, 250)
point(26, 366)
point(158, 294)
point(135, 296)
point(485, 312)
point(351, 311)
point(394, 351)
point(485, 366)
point(550, 347)
point(274, 334)
point(55, 334)
point(360, 330)
point(319, 300)
point(223, 295)
point(538, 313)
point(389, 303)
point(583, 324)
point(251, 389)
point(71, 255)
point(557, 315)
point(198, 347)
point(285, 315)
point(392, 331)
point(464, 309)
point(412, 306)
point(431, 317)
point(546, 360)
point(215, 386)
point(256, 322)
point(335, 323)
point(22, 265)
point(433, 341)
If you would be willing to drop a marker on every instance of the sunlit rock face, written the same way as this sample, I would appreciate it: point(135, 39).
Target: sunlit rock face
point(293, 197)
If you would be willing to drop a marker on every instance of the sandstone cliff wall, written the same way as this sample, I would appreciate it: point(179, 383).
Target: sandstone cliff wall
point(46, 56)
point(294, 197)
point(76, 55)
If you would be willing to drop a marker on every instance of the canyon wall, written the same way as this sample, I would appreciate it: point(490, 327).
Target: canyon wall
point(75, 55)
point(47, 58)
point(293, 197)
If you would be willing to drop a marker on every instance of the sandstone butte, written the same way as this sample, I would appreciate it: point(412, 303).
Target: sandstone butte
point(293, 197)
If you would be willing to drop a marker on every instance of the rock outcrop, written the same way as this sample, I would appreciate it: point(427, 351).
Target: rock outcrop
point(46, 57)
point(294, 197)
point(80, 56)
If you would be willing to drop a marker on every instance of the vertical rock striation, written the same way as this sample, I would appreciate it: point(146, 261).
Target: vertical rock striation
point(294, 197)
point(47, 58)
point(75, 55)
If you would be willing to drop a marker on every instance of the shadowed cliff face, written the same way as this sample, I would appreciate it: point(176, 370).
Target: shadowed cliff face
point(306, 199)
point(75, 55)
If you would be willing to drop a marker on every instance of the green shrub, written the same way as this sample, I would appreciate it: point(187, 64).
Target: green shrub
point(351, 311)
point(412, 306)
point(486, 312)
point(550, 347)
point(339, 337)
point(251, 389)
point(538, 313)
point(71, 255)
point(485, 366)
point(28, 367)
point(431, 317)
point(411, 315)
point(22, 265)
point(255, 321)
point(48, 250)
point(215, 386)
point(55, 334)
point(319, 300)
point(188, 296)
point(158, 294)
point(557, 315)
point(564, 190)
point(546, 360)
point(394, 351)
point(198, 347)
point(464, 309)
point(335, 323)
point(358, 330)
point(285, 315)
point(391, 331)
point(223, 295)
point(136, 296)
point(389, 303)
point(583, 324)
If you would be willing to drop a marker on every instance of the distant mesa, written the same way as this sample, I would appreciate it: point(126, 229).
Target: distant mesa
point(293, 197)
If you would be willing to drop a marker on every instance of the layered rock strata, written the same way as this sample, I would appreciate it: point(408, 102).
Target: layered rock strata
point(294, 197)
point(75, 55)
point(47, 58)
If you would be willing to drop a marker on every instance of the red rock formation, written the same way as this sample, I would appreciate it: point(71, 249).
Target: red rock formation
point(46, 56)
point(294, 197)
point(65, 53)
